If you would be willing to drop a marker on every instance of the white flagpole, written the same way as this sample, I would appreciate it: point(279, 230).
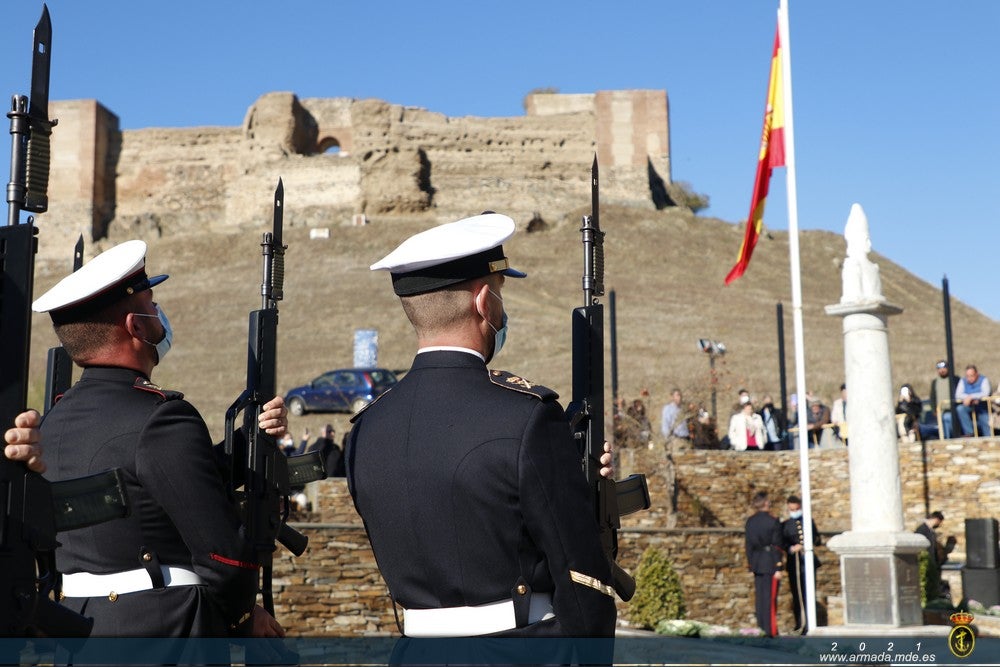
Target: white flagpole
point(800, 362)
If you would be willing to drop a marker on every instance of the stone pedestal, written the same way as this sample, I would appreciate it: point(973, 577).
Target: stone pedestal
point(878, 558)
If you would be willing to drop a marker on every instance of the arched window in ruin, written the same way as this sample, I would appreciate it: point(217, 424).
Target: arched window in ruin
point(329, 146)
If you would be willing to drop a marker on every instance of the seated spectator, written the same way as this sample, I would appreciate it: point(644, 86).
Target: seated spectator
point(704, 435)
point(972, 394)
point(638, 422)
point(942, 389)
point(746, 430)
point(818, 417)
point(909, 404)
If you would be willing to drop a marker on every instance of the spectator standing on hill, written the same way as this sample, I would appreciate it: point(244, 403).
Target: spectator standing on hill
point(746, 430)
point(972, 394)
point(942, 390)
point(775, 425)
point(673, 422)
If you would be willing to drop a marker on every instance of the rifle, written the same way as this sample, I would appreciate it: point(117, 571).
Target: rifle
point(612, 499)
point(59, 366)
point(257, 463)
point(33, 510)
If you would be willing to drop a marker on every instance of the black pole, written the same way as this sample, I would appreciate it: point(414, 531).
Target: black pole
point(782, 372)
point(950, 352)
point(781, 356)
point(711, 372)
point(614, 348)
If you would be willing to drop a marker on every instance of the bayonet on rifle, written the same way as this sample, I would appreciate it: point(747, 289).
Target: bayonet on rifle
point(262, 467)
point(611, 499)
point(27, 501)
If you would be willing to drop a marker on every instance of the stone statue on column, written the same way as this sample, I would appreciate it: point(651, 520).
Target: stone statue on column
point(861, 281)
point(878, 556)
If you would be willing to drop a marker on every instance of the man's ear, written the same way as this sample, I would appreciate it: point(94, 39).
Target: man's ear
point(134, 326)
point(481, 299)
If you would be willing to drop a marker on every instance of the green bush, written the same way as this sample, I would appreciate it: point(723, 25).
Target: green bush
point(658, 594)
point(930, 579)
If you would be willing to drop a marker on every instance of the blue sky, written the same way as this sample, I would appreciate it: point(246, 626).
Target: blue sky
point(897, 104)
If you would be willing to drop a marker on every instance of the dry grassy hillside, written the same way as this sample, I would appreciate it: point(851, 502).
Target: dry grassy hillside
point(665, 266)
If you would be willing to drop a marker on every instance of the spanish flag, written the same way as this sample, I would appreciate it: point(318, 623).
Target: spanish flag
point(772, 154)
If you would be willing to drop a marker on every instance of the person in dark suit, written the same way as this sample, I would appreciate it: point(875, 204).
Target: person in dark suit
point(330, 451)
point(179, 564)
point(792, 540)
point(468, 479)
point(764, 557)
point(937, 554)
point(775, 425)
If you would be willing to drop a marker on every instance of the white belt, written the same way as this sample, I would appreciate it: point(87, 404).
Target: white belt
point(473, 621)
point(87, 585)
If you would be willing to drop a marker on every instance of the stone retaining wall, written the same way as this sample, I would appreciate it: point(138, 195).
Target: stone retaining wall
point(700, 501)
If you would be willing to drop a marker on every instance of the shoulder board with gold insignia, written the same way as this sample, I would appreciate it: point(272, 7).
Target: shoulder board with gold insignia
point(143, 384)
point(359, 412)
point(517, 383)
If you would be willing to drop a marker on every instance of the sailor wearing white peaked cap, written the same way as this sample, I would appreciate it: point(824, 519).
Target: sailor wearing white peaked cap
point(113, 275)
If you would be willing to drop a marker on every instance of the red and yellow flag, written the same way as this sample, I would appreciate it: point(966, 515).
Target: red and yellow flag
point(772, 154)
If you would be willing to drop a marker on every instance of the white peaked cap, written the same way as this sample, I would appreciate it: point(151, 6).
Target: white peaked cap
point(449, 254)
point(113, 275)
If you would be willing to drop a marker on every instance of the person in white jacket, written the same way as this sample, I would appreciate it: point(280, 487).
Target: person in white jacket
point(746, 429)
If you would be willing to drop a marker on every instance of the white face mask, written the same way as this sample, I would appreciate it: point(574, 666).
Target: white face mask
point(499, 335)
point(163, 346)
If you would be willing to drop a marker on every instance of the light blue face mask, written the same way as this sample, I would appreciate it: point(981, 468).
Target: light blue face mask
point(163, 346)
point(499, 335)
point(797, 514)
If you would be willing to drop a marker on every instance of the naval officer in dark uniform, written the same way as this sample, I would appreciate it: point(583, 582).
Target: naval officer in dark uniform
point(793, 538)
point(179, 565)
point(467, 479)
point(764, 557)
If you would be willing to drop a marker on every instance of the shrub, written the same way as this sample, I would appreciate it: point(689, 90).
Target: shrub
point(930, 579)
point(684, 195)
point(658, 595)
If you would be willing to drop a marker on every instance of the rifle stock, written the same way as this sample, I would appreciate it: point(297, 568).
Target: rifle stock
point(611, 499)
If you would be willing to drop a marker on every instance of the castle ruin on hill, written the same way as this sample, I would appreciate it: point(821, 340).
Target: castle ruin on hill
point(346, 161)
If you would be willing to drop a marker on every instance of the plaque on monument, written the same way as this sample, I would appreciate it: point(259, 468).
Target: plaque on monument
point(882, 590)
point(908, 582)
point(867, 590)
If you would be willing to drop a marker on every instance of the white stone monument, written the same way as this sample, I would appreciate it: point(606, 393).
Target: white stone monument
point(878, 556)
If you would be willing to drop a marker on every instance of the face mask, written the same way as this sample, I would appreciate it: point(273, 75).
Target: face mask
point(499, 335)
point(797, 514)
point(163, 346)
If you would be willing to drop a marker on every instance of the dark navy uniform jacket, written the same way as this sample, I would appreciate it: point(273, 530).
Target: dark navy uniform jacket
point(180, 514)
point(791, 534)
point(763, 543)
point(469, 481)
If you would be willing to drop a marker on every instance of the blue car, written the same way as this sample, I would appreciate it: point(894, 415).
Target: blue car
point(342, 390)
